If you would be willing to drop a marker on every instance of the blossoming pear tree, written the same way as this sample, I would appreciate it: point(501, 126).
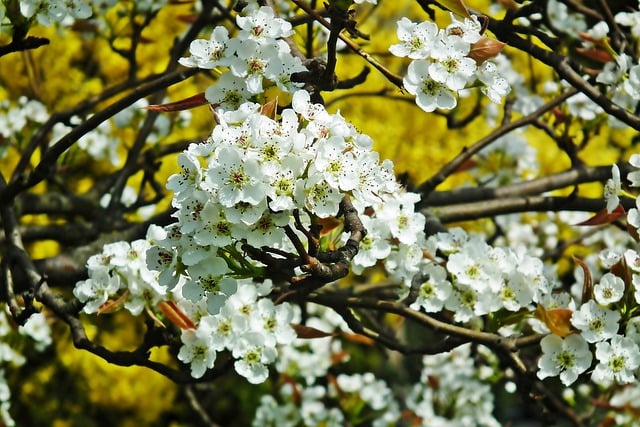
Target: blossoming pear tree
point(279, 245)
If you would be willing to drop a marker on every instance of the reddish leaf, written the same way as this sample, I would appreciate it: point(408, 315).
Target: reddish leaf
point(558, 320)
point(603, 217)
point(469, 164)
point(358, 339)
point(622, 270)
point(328, 224)
point(269, 109)
point(176, 315)
point(184, 104)
point(188, 19)
point(633, 232)
point(597, 55)
point(586, 37)
point(560, 116)
point(308, 332)
point(587, 285)
point(339, 357)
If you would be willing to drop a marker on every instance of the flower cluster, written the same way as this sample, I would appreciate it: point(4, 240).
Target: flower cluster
point(120, 268)
point(246, 324)
point(252, 56)
point(478, 279)
point(452, 391)
point(256, 178)
point(604, 325)
point(16, 119)
point(442, 65)
point(307, 405)
point(49, 11)
point(253, 182)
point(13, 342)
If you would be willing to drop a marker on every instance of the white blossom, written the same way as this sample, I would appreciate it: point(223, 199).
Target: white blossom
point(568, 358)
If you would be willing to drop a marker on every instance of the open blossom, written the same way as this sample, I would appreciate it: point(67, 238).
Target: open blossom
point(609, 290)
point(568, 357)
point(262, 25)
point(594, 322)
point(496, 87)
point(198, 349)
point(417, 39)
point(252, 357)
point(430, 94)
point(434, 290)
point(96, 290)
point(452, 66)
point(210, 53)
point(618, 361)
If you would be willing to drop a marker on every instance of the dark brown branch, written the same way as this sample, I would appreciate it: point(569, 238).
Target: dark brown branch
point(572, 177)
point(491, 208)
point(565, 69)
point(467, 153)
point(393, 78)
point(28, 43)
point(444, 345)
point(48, 163)
point(506, 348)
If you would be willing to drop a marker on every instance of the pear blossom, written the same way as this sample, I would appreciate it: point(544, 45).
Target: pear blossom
point(37, 328)
point(230, 92)
point(467, 30)
point(594, 322)
point(568, 357)
point(610, 289)
point(262, 25)
point(96, 290)
point(496, 87)
point(252, 356)
point(451, 66)
point(430, 94)
point(417, 39)
point(631, 20)
point(374, 246)
point(434, 290)
point(617, 361)
point(198, 349)
point(208, 54)
point(235, 178)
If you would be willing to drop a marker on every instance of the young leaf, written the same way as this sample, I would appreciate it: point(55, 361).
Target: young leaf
point(456, 6)
point(308, 332)
point(587, 285)
point(603, 217)
point(176, 315)
point(184, 104)
point(558, 320)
